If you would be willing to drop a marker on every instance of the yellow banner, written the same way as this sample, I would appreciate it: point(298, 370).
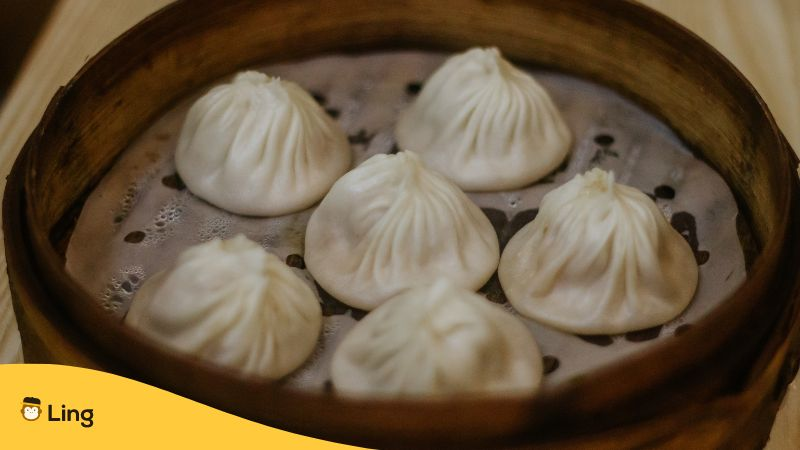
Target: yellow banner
point(51, 406)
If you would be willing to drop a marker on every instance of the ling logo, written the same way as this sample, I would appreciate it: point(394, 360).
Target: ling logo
point(31, 408)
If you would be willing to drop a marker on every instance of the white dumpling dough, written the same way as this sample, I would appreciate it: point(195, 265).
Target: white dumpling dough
point(600, 258)
point(485, 124)
point(260, 146)
point(438, 340)
point(232, 303)
point(391, 223)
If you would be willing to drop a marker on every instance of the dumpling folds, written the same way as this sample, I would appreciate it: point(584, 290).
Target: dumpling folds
point(485, 124)
point(600, 258)
point(438, 340)
point(390, 224)
point(231, 303)
point(260, 146)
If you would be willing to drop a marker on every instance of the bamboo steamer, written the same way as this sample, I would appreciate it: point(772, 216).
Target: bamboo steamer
point(718, 385)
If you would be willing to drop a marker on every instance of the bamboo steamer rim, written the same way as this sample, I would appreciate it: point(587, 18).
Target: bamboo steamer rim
point(578, 402)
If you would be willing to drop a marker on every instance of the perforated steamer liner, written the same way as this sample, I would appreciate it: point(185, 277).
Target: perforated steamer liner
point(140, 217)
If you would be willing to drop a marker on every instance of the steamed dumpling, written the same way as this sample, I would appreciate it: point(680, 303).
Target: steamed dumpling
point(485, 124)
point(232, 303)
point(390, 224)
point(437, 340)
point(600, 258)
point(260, 146)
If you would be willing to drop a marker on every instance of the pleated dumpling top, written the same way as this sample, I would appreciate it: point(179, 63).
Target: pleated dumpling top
point(260, 146)
point(485, 124)
point(600, 258)
point(391, 223)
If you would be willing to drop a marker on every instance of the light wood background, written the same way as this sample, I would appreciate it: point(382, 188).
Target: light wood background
point(762, 38)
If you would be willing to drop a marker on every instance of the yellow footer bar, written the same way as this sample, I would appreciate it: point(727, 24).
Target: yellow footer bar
point(52, 406)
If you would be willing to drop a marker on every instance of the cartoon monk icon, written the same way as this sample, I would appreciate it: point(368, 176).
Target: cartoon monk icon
point(31, 408)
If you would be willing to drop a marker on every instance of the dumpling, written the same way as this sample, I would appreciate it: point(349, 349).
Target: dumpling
point(438, 340)
point(599, 258)
point(390, 224)
point(232, 303)
point(260, 146)
point(485, 124)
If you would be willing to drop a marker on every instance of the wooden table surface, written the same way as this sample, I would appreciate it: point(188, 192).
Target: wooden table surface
point(762, 38)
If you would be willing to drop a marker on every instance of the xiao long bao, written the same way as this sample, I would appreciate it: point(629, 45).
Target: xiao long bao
point(231, 303)
point(600, 258)
point(260, 146)
point(485, 124)
point(437, 340)
point(390, 224)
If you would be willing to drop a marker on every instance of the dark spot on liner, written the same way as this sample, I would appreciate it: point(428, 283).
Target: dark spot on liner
point(497, 218)
point(333, 112)
point(519, 220)
point(598, 156)
point(330, 306)
point(395, 149)
point(360, 138)
point(126, 286)
point(601, 153)
point(646, 334)
point(173, 182)
point(134, 237)
point(119, 218)
point(493, 291)
point(564, 164)
point(604, 139)
point(603, 340)
point(506, 229)
point(652, 197)
point(664, 191)
point(551, 177)
point(682, 329)
point(685, 224)
point(413, 87)
point(702, 257)
point(133, 278)
point(296, 261)
point(496, 297)
point(319, 98)
point(550, 364)
point(357, 314)
point(160, 224)
point(327, 386)
point(728, 276)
